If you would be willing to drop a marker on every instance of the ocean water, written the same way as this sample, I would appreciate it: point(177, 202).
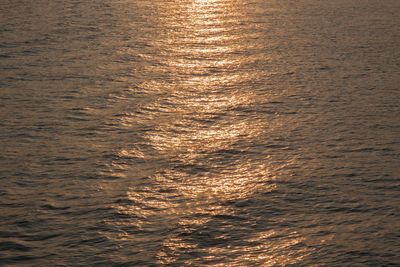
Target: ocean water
point(200, 133)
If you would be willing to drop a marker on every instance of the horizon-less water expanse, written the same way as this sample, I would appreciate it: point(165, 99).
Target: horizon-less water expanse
point(199, 133)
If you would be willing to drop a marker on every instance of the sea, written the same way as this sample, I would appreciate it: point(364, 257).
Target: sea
point(199, 133)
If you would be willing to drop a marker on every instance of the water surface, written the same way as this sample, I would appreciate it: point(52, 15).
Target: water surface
point(200, 132)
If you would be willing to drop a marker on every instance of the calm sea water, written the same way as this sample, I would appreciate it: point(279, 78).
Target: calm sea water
point(200, 133)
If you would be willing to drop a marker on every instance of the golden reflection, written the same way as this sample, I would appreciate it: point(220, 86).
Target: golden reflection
point(197, 125)
point(277, 252)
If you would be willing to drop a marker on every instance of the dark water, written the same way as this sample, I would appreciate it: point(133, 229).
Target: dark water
point(200, 132)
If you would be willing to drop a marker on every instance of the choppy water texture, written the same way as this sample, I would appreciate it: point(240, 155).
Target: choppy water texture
point(200, 132)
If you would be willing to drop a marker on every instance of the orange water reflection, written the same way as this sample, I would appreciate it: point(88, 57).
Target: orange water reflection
point(205, 56)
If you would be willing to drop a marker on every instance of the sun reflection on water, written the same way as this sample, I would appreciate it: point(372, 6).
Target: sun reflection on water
point(197, 140)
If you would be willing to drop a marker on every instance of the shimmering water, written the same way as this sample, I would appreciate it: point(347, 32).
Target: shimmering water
point(200, 132)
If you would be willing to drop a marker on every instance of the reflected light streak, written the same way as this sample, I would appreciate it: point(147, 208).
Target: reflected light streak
point(195, 124)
